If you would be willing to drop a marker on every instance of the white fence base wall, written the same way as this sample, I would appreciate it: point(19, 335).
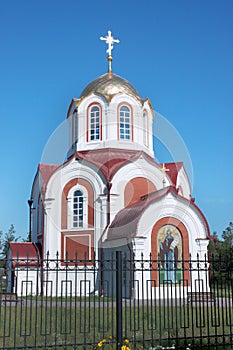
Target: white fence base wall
point(87, 280)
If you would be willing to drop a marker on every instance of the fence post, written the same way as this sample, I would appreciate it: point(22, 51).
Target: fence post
point(119, 299)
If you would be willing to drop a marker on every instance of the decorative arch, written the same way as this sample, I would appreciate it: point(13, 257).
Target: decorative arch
point(136, 188)
point(80, 239)
point(169, 235)
point(75, 183)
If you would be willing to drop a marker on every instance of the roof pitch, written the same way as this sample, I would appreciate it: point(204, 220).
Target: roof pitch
point(110, 160)
point(24, 253)
point(125, 223)
point(46, 171)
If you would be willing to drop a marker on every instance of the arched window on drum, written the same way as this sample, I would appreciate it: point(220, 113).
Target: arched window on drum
point(74, 127)
point(94, 121)
point(125, 128)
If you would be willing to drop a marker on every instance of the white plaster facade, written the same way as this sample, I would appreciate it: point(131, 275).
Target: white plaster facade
point(113, 174)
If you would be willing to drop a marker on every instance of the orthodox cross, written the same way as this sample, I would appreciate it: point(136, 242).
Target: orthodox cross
point(164, 170)
point(109, 41)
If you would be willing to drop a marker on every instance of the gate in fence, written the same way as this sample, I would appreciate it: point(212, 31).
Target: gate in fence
point(117, 303)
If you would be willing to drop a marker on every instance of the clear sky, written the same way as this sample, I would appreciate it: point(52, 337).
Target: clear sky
point(179, 53)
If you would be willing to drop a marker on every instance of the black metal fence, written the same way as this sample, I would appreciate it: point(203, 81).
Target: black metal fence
point(116, 301)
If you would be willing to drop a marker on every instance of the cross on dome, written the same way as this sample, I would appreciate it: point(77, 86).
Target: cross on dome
point(109, 39)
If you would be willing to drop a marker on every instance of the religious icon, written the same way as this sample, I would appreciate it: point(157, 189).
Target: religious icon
point(169, 252)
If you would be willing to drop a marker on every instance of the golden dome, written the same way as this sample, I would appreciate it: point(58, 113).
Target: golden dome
point(109, 85)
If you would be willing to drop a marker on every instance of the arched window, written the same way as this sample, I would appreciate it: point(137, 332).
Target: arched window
point(145, 128)
point(77, 220)
point(74, 127)
point(77, 208)
point(125, 123)
point(94, 123)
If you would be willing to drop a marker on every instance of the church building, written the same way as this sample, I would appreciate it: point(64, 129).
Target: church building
point(110, 194)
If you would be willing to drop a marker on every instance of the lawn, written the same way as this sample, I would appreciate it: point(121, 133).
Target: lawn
point(64, 323)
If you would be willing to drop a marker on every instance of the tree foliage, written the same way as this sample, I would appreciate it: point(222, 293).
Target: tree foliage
point(227, 236)
point(5, 239)
point(221, 256)
point(224, 246)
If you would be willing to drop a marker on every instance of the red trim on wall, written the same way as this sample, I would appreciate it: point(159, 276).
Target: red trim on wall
point(131, 121)
point(64, 208)
point(136, 188)
point(87, 119)
point(79, 245)
point(185, 245)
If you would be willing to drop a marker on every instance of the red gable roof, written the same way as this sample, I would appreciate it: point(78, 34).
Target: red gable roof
point(24, 254)
point(46, 171)
point(125, 222)
point(110, 160)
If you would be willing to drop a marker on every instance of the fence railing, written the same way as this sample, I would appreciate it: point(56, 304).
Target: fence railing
point(115, 301)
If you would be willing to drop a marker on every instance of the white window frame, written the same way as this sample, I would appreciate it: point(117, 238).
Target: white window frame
point(94, 119)
point(71, 208)
point(125, 128)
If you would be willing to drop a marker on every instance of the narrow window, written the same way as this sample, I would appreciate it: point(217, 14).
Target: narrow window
point(94, 123)
point(125, 121)
point(75, 127)
point(78, 209)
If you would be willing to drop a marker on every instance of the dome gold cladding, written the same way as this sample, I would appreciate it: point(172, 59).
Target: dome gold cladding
point(109, 85)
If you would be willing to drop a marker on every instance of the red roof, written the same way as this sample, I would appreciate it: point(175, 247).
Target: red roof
point(125, 222)
point(46, 171)
point(174, 169)
point(24, 253)
point(110, 160)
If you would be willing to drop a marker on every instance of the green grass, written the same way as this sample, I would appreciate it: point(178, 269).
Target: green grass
point(42, 326)
point(94, 298)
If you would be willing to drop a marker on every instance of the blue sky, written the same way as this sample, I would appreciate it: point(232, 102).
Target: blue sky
point(179, 53)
